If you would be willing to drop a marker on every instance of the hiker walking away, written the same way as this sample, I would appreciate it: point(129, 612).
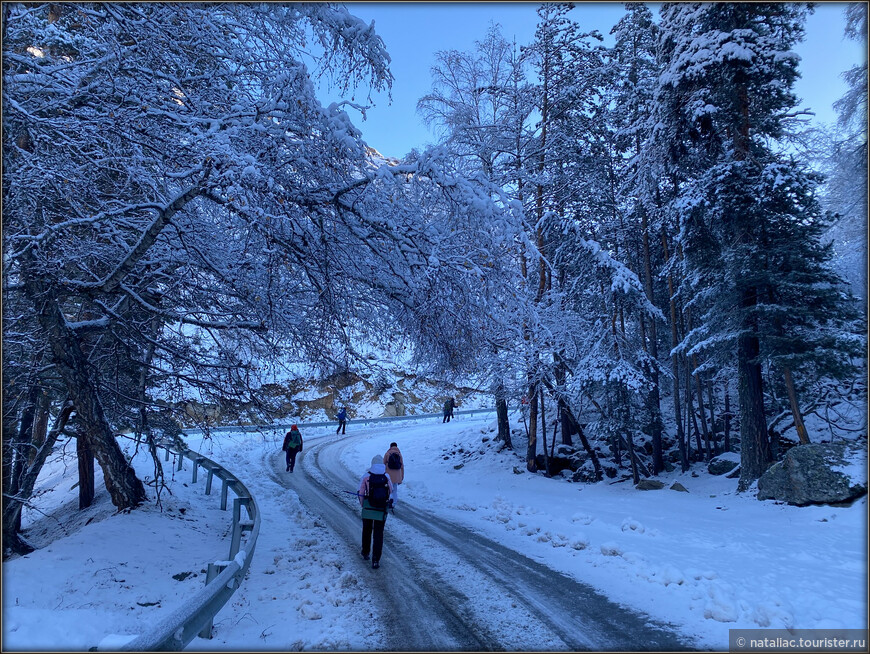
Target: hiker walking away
point(448, 409)
point(292, 446)
point(342, 420)
point(375, 489)
point(395, 464)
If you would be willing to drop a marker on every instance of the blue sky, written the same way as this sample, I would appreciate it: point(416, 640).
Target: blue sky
point(415, 31)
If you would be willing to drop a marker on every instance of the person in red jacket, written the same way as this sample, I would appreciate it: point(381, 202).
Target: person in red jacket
point(395, 464)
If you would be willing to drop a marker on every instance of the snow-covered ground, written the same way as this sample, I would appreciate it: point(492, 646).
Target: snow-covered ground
point(707, 561)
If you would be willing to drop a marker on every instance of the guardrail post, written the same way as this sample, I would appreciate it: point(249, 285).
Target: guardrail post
point(212, 572)
point(237, 529)
point(180, 461)
point(195, 468)
point(208, 481)
point(167, 454)
point(224, 495)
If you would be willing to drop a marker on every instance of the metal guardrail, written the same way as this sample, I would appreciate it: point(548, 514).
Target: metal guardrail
point(196, 616)
point(333, 423)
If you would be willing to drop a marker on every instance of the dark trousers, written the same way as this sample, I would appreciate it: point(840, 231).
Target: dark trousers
point(373, 528)
point(291, 458)
point(342, 425)
point(446, 418)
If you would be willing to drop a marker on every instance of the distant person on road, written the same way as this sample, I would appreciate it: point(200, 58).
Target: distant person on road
point(395, 463)
point(375, 489)
point(342, 420)
point(292, 446)
point(448, 409)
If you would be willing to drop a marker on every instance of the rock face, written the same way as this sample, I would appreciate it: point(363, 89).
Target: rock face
point(723, 463)
point(396, 407)
point(817, 473)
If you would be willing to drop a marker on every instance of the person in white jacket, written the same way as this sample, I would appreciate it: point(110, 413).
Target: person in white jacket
point(374, 493)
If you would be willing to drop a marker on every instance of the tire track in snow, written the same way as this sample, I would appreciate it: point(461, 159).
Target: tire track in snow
point(416, 616)
point(532, 607)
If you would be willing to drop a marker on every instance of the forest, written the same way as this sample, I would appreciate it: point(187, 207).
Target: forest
point(639, 237)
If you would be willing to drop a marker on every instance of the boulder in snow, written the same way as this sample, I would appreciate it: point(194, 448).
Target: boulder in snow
point(677, 486)
point(649, 484)
point(723, 463)
point(817, 473)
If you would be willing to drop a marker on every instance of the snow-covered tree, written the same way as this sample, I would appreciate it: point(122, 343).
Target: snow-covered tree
point(480, 102)
point(844, 156)
point(179, 206)
point(747, 212)
point(632, 71)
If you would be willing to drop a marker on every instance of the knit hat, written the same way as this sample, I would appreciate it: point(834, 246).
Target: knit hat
point(377, 459)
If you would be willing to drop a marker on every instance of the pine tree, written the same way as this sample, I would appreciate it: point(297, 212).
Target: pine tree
point(633, 70)
point(746, 210)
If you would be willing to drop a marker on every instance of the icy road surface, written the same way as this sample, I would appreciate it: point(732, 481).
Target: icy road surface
point(442, 586)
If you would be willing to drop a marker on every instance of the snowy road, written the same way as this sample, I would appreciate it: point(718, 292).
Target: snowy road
point(470, 562)
point(444, 587)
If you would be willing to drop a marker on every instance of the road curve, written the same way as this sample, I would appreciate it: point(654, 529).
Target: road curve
point(444, 587)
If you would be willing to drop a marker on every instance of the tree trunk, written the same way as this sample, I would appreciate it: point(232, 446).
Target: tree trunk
point(691, 416)
point(21, 444)
point(596, 464)
point(532, 448)
point(87, 489)
point(795, 408)
point(559, 373)
point(653, 398)
point(40, 426)
point(544, 434)
point(727, 419)
point(125, 488)
point(553, 444)
point(755, 451)
point(504, 427)
point(703, 411)
point(12, 505)
point(710, 397)
point(566, 423)
point(635, 477)
point(675, 364)
point(693, 364)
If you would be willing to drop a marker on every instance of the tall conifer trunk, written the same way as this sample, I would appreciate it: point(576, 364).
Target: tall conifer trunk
point(756, 454)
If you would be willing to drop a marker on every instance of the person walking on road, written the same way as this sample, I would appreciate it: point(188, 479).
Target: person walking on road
point(375, 489)
point(292, 446)
point(448, 409)
point(342, 420)
point(395, 464)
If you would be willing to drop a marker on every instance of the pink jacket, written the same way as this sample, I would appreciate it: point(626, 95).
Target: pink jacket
point(396, 476)
point(363, 490)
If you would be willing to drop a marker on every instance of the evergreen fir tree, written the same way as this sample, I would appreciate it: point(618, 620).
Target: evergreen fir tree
point(754, 269)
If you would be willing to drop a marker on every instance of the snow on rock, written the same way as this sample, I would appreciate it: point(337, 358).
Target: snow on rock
point(610, 549)
point(630, 524)
point(579, 542)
